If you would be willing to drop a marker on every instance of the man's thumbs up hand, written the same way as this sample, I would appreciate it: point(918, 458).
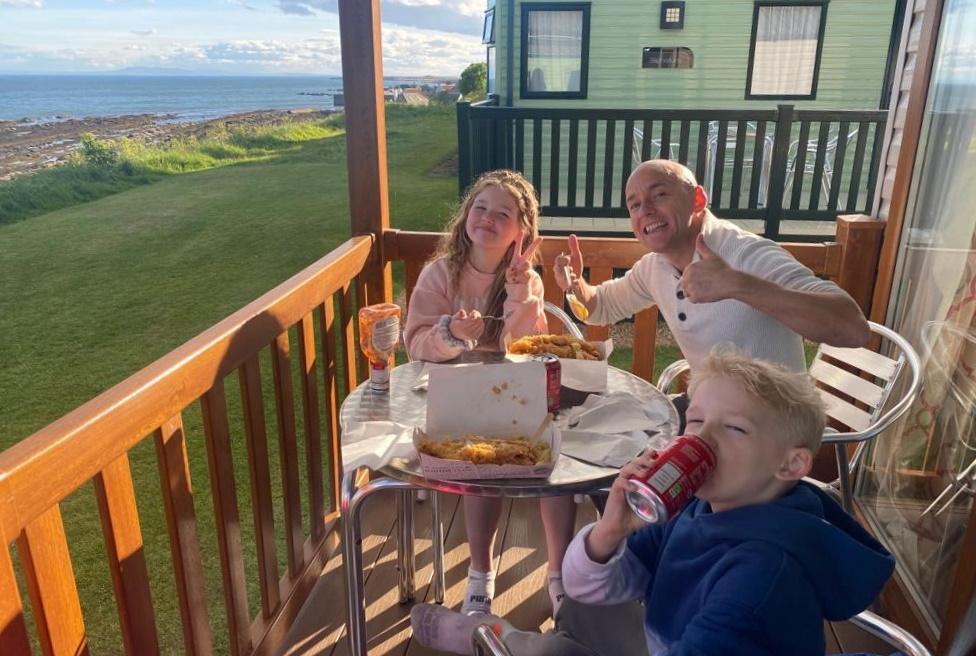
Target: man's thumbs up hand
point(702, 248)
point(708, 279)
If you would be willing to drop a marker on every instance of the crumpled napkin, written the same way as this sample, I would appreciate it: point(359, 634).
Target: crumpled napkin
point(374, 444)
point(610, 430)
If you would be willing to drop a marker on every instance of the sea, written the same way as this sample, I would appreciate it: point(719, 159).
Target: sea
point(40, 98)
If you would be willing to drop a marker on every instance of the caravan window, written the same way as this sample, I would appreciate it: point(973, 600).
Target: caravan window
point(787, 39)
point(555, 50)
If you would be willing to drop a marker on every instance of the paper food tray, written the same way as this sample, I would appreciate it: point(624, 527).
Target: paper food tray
point(456, 470)
point(582, 375)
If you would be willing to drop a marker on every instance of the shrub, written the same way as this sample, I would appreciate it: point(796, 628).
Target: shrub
point(97, 152)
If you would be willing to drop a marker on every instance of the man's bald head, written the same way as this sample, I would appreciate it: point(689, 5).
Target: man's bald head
point(670, 169)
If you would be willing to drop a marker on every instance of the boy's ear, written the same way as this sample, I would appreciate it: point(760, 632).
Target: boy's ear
point(796, 464)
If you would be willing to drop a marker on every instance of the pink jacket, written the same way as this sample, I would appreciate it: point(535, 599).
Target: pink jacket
point(434, 297)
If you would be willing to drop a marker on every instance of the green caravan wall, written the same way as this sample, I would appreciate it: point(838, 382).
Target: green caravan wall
point(719, 32)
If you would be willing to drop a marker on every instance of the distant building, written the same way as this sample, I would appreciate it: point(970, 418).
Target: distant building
point(415, 96)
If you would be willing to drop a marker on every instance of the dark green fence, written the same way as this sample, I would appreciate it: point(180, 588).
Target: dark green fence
point(770, 165)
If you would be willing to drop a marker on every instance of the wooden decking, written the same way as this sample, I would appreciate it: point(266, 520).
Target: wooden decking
point(520, 594)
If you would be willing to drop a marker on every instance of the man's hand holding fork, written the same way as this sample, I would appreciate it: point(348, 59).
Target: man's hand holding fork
point(568, 269)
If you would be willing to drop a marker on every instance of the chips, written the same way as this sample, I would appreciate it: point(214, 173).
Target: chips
point(489, 450)
point(562, 346)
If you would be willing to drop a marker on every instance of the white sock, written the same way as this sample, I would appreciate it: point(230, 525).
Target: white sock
point(446, 630)
point(481, 590)
point(557, 592)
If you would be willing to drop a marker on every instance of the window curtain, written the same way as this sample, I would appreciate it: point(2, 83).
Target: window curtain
point(555, 50)
point(786, 50)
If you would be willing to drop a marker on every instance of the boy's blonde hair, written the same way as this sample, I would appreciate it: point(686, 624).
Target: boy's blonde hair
point(456, 245)
point(790, 395)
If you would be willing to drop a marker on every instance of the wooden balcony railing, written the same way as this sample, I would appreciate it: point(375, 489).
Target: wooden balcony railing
point(94, 442)
point(765, 164)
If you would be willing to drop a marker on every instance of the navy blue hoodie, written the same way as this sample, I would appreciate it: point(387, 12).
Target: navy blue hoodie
point(755, 580)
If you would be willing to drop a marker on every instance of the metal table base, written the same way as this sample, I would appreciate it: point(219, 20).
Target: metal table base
point(408, 406)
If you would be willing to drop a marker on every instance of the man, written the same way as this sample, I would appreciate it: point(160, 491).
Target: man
point(713, 282)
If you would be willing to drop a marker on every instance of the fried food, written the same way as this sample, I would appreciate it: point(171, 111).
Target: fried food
point(489, 450)
point(562, 346)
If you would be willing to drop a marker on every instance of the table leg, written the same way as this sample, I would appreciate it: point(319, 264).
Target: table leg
point(437, 544)
point(406, 564)
point(352, 553)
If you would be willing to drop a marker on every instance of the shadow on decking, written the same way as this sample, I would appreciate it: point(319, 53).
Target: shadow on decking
point(520, 595)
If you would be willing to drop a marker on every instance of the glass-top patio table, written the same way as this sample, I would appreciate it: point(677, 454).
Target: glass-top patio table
point(408, 406)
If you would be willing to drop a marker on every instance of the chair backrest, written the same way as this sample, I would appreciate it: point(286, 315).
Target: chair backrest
point(856, 383)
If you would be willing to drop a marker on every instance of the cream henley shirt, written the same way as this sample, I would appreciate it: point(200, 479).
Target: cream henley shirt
point(698, 327)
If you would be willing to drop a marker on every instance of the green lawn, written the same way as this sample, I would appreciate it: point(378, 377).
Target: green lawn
point(94, 292)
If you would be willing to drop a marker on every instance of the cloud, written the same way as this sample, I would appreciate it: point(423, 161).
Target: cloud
point(241, 3)
point(406, 51)
point(150, 32)
point(458, 16)
point(23, 4)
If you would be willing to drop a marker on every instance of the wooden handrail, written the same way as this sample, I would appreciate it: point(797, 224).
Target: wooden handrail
point(847, 261)
point(92, 444)
point(44, 468)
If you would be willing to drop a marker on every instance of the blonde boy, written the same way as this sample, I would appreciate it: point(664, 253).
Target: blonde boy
point(752, 566)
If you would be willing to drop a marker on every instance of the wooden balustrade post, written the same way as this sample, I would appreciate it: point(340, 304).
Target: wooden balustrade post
point(362, 81)
point(860, 238)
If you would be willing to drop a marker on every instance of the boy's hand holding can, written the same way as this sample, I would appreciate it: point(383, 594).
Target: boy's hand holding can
point(618, 520)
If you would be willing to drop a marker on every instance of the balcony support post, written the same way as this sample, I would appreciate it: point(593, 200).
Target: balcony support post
point(362, 81)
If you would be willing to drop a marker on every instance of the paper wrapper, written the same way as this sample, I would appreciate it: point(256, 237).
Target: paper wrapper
point(374, 444)
point(587, 375)
point(610, 430)
point(581, 375)
point(507, 399)
point(458, 470)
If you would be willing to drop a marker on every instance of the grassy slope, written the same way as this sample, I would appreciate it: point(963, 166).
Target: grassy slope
point(104, 288)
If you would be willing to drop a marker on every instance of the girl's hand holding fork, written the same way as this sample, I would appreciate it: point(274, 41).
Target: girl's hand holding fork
point(467, 326)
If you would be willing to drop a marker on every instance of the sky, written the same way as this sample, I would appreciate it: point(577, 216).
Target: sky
point(230, 37)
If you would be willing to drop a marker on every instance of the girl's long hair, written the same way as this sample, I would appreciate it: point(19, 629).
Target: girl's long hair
point(455, 245)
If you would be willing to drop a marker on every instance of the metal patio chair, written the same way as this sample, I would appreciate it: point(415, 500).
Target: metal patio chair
point(731, 138)
point(810, 160)
point(486, 643)
point(855, 403)
point(655, 151)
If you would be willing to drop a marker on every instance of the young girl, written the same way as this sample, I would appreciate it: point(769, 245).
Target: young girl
point(478, 289)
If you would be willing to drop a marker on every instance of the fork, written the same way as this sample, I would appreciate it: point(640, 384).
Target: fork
point(576, 305)
point(501, 318)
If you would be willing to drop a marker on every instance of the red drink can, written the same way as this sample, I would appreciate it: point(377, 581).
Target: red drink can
point(671, 480)
point(553, 379)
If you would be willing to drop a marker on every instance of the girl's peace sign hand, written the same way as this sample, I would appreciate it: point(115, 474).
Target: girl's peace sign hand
point(518, 270)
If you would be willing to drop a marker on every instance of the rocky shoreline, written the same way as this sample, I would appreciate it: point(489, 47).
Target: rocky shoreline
point(27, 146)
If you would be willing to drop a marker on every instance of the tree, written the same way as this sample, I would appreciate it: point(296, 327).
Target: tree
point(473, 84)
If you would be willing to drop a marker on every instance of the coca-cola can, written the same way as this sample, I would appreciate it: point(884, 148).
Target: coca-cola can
point(553, 379)
point(671, 480)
